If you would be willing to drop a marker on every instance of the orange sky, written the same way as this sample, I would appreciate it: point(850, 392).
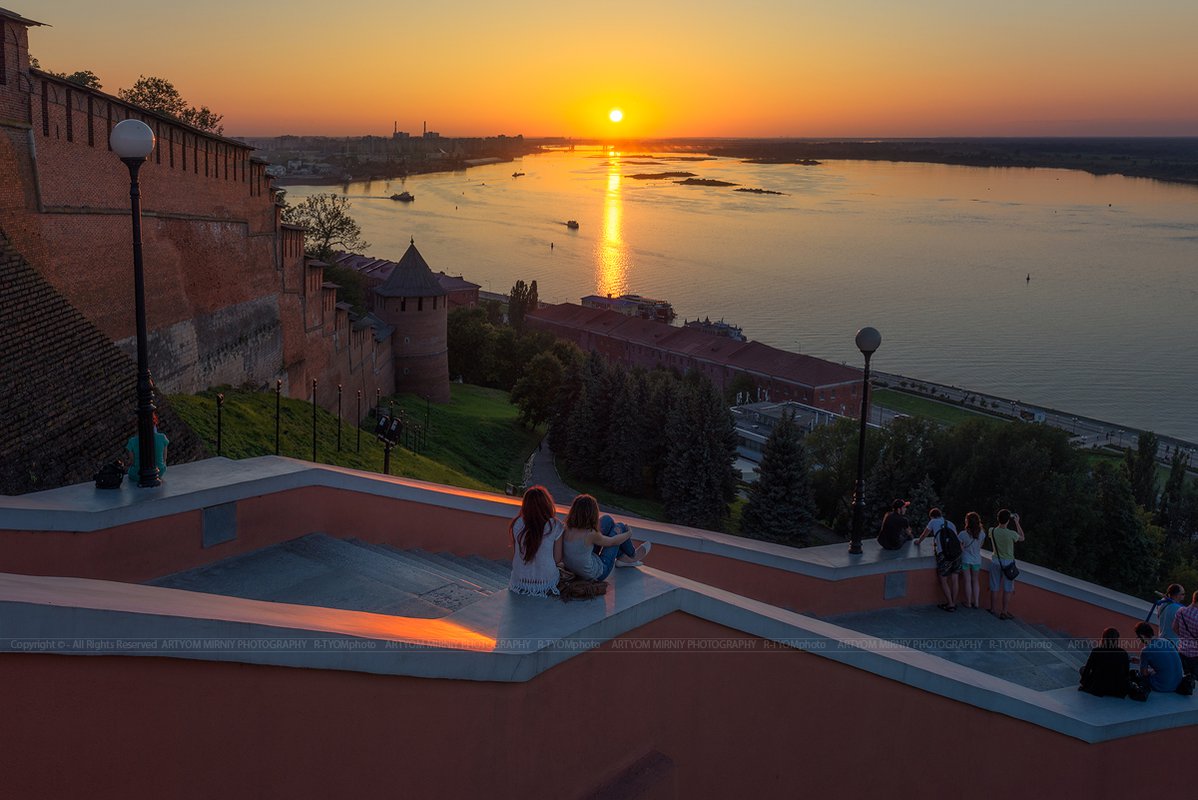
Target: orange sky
point(697, 68)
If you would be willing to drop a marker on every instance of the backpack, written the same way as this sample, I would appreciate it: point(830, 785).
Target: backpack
point(950, 545)
point(110, 475)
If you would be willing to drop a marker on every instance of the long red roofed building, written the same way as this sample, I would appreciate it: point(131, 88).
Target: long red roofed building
point(778, 374)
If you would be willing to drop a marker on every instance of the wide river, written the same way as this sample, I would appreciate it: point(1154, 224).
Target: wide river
point(936, 257)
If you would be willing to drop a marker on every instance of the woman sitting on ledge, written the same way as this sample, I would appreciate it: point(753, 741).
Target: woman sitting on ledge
point(537, 536)
point(1106, 671)
point(593, 543)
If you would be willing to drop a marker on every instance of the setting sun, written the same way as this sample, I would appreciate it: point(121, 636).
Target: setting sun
point(616, 115)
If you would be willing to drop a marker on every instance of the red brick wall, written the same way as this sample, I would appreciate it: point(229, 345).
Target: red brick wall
point(227, 298)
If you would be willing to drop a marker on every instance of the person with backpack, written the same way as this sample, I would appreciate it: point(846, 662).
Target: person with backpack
point(947, 548)
point(972, 539)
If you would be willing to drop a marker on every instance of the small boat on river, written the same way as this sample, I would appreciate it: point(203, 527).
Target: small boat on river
point(572, 224)
point(403, 197)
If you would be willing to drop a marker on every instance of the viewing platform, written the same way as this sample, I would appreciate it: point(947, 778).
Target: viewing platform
point(364, 623)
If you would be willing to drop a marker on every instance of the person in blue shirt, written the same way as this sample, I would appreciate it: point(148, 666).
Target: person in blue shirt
point(133, 451)
point(1159, 660)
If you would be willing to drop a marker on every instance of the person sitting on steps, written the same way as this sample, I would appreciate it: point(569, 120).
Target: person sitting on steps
point(593, 545)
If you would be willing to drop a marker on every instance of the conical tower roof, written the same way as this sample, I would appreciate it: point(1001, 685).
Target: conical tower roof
point(411, 278)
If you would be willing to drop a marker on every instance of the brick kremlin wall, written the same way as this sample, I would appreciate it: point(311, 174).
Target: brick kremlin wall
point(230, 297)
point(68, 405)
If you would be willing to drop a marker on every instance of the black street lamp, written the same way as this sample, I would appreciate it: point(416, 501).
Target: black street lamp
point(868, 340)
point(133, 141)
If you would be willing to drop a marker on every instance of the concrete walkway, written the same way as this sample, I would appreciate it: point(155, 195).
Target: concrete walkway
point(544, 472)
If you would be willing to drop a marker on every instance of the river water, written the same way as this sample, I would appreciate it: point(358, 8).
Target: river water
point(936, 257)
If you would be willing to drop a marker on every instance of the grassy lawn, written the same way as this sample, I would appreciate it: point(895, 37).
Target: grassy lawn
point(248, 430)
point(476, 433)
point(916, 406)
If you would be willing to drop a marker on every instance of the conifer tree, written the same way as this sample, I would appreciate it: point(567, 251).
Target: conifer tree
point(623, 453)
point(1141, 470)
point(698, 480)
point(923, 498)
point(781, 506)
point(1123, 553)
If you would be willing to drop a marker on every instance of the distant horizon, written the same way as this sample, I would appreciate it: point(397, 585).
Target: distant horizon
point(771, 70)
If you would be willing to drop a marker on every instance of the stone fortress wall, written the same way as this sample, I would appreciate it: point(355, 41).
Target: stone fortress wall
point(230, 296)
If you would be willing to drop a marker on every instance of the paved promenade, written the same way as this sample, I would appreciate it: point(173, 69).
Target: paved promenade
point(1087, 432)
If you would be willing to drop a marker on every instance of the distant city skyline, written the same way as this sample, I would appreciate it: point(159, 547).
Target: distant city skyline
point(773, 68)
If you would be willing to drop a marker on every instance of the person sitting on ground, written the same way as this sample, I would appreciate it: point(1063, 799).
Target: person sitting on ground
point(1003, 539)
point(594, 545)
point(1159, 660)
point(947, 548)
point(1166, 609)
point(971, 558)
point(896, 528)
point(537, 538)
point(1107, 669)
point(133, 451)
point(1185, 625)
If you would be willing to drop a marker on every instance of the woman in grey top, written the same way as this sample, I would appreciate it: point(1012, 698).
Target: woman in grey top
point(592, 546)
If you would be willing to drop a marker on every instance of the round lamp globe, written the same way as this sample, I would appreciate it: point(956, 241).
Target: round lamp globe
point(132, 138)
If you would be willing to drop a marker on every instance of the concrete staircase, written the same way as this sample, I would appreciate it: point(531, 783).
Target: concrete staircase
point(1033, 656)
point(321, 570)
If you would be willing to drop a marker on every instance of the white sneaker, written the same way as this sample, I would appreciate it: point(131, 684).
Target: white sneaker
point(642, 551)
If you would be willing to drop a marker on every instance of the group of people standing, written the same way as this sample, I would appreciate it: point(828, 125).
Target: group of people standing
point(1168, 661)
point(589, 545)
point(959, 554)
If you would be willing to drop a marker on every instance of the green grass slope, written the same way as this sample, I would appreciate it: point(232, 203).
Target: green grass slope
point(248, 430)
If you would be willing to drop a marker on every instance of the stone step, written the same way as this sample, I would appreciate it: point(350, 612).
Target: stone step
point(426, 560)
point(470, 571)
point(500, 569)
point(452, 593)
point(312, 573)
point(341, 554)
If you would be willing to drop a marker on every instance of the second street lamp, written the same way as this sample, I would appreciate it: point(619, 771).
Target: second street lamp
point(868, 341)
point(133, 141)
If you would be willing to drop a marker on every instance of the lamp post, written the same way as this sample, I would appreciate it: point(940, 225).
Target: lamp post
point(868, 340)
point(133, 141)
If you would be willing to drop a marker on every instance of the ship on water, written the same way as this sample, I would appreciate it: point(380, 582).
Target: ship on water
point(633, 305)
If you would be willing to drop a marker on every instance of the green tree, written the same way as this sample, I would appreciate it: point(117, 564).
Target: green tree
point(159, 94)
point(781, 506)
point(923, 498)
point(535, 392)
point(833, 452)
point(698, 479)
point(1141, 470)
point(518, 302)
point(1123, 552)
point(83, 77)
point(623, 465)
point(330, 226)
point(471, 344)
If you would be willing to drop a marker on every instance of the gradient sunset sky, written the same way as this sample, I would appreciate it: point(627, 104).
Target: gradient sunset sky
point(694, 68)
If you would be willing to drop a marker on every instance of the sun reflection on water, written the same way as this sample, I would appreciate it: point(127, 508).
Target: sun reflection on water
point(611, 264)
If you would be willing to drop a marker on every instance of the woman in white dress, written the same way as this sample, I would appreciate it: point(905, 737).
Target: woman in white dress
point(537, 537)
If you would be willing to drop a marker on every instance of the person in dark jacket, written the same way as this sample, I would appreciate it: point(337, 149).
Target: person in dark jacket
point(896, 528)
point(1106, 671)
